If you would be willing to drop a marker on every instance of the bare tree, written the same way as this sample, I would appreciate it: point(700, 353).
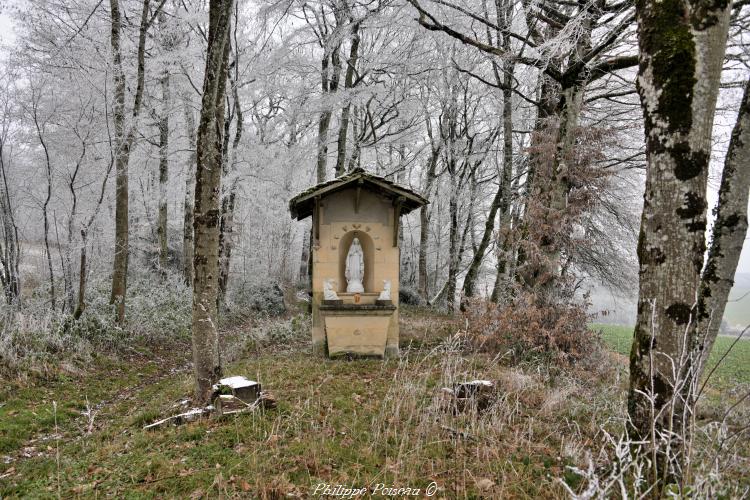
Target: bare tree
point(329, 77)
point(501, 201)
point(124, 139)
point(40, 126)
point(567, 66)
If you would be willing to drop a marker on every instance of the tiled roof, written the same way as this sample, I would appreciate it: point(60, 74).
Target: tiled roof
point(301, 205)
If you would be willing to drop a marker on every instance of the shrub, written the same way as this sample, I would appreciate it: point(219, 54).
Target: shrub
point(33, 337)
point(409, 296)
point(529, 330)
point(293, 330)
point(159, 309)
point(263, 298)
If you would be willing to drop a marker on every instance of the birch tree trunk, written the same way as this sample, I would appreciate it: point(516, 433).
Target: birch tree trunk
point(206, 357)
point(682, 47)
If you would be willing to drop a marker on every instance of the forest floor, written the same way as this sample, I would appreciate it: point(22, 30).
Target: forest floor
point(358, 423)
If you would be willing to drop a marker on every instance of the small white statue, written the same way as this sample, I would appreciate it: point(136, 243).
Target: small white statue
point(355, 268)
point(386, 293)
point(328, 291)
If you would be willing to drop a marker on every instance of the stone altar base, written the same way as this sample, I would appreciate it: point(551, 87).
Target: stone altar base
point(360, 329)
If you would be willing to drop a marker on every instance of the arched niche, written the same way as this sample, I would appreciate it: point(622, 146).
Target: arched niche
point(368, 249)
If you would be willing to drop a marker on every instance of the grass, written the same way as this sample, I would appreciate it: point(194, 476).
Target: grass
point(733, 369)
point(354, 423)
point(325, 430)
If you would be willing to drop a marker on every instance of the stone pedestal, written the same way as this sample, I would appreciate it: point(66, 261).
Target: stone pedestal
point(357, 329)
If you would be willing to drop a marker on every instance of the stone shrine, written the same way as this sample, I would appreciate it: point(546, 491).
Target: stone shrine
point(355, 262)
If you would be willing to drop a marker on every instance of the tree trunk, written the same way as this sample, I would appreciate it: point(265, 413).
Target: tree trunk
point(728, 236)
point(502, 196)
point(81, 306)
point(304, 276)
point(489, 226)
point(161, 229)
point(348, 83)
point(187, 226)
point(453, 259)
point(45, 205)
point(504, 254)
point(226, 229)
point(354, 159)
point(424, 219)
point(10, 255)
point(123, 144)
point(543, 271)
point(68, 267)
point(681, 55)
point(226, 240)
point(328, 87)
point(206, 357)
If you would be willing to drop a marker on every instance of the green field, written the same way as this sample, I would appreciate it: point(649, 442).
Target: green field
point(733, 369)
point(737, 313)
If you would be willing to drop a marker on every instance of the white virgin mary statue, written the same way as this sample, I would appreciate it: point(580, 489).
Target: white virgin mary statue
point(355, 268)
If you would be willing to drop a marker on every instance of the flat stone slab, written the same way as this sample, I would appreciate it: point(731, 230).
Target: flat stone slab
point(364, 309)
point(240, 387)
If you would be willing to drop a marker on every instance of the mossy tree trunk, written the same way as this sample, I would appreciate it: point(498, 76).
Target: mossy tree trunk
point(728, 236)
point(206, 357)
point(682, 47)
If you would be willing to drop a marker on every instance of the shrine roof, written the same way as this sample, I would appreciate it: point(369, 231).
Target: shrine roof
point(301, 206)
